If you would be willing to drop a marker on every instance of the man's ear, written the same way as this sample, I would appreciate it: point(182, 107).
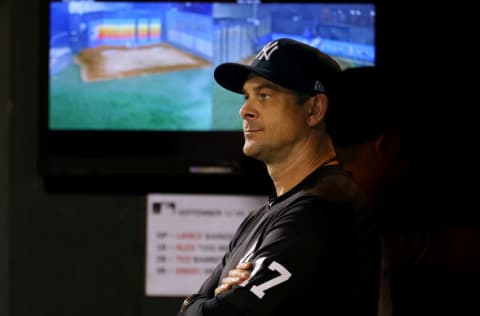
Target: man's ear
point(317, 108)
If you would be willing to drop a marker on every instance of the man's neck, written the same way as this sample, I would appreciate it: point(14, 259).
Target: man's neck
point(287, 174)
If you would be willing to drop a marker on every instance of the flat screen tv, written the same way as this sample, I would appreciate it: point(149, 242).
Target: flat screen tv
point(127, 89)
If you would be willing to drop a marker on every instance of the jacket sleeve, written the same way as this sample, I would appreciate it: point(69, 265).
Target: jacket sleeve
point(204, 302)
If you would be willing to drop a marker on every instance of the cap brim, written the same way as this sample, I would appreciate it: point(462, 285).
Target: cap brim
point(232, 76)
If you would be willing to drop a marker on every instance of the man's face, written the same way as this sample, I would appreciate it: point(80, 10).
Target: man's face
point(273, 121)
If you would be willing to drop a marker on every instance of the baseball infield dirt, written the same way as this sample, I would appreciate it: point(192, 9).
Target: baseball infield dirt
point(113, 62)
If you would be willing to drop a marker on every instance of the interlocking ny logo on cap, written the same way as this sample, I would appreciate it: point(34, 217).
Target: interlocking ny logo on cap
point(267, 51)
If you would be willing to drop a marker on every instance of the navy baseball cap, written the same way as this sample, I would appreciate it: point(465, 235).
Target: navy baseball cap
point(286, 62)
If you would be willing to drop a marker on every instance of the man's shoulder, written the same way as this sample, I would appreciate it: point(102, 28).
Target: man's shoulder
point(334, 184)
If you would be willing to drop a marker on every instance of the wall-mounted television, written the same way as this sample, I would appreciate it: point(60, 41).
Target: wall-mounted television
point(127, 89)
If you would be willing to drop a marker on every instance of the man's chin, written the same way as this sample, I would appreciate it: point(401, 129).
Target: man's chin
point(249, 151)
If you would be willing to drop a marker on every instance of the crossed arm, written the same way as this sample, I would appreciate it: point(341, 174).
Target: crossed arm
point(235, 276)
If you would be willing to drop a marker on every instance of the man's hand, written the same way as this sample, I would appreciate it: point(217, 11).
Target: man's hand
point(235, 277)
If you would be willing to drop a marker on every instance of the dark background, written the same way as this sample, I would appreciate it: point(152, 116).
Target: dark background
point(83, 253)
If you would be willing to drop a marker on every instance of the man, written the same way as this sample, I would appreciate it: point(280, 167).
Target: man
point(370, 135)
point(370, 130)
point(313, 248)
point(427, 263)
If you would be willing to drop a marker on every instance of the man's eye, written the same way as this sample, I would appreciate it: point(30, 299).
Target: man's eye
point(264, 96)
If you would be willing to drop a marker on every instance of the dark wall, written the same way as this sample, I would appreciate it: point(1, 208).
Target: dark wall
point(72, 253)
point(4, 87)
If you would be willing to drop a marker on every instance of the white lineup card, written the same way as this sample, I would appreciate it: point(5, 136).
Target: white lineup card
point(187, 235)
